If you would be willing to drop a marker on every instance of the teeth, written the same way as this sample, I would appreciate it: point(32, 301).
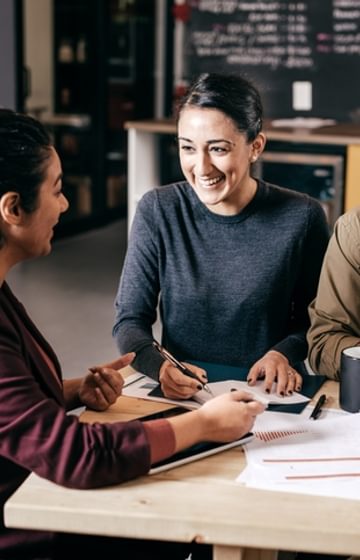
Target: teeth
point(210, 182)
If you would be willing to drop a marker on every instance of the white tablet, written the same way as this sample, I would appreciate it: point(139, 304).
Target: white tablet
point(198, 451)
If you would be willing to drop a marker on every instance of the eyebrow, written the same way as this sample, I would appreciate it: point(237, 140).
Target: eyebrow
point(214, 141)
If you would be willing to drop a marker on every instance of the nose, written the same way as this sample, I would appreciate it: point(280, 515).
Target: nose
point(203, 164)
point(64, 203)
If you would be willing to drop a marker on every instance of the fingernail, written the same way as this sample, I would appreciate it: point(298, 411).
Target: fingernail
point(298, 389)
point(290, 392)
point(199, 387)
point(233, 389)
point(267, 391)
point(249, 380)
point(282, 393)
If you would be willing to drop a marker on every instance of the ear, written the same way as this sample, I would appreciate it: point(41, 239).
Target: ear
point(10, 209)
point(257, 147)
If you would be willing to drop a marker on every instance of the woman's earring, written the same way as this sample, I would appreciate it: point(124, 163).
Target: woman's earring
point(253, 159)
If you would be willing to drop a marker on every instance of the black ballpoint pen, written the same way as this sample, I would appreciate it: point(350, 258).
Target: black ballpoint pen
point(186, 371)
point(318, 407)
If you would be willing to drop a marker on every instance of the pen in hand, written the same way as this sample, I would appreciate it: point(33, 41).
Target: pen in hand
point(318, 407)
point(186, 371)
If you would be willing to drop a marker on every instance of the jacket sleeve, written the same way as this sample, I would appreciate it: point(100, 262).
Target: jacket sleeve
point(312, 247)
point(37, 434)
point(137, 298)
point(335, 313)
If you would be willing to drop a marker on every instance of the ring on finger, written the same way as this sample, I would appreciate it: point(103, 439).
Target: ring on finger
point(290, 373)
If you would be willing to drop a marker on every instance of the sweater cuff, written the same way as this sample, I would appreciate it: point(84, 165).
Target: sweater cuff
point(161, 438)
point(148, 361)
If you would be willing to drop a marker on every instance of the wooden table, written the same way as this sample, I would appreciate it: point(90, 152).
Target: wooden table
point(200, 501)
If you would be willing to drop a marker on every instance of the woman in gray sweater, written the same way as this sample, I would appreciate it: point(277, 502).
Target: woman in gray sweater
point(232, 261)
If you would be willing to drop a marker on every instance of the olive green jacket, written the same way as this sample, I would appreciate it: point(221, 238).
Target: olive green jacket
point(335, 313)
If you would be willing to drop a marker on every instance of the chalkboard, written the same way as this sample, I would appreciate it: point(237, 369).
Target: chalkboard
point(303, 56)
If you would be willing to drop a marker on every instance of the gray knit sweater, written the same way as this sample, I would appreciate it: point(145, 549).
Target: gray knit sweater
point(229, 287)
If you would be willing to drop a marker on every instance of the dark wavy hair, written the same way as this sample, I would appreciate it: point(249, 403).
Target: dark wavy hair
point(25, 147)
point(232, 94)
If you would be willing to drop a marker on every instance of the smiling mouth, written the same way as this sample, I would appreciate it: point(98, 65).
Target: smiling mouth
point(210, 183)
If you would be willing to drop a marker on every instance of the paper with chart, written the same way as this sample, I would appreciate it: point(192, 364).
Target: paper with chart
point(139, 385)
point(295, 454)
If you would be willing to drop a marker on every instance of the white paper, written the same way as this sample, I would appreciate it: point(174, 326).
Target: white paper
point(295, 454)
point(139, 385)
point(221, 387)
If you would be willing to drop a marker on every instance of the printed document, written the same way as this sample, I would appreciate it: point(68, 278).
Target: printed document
point(142, 386)
point(296, 454)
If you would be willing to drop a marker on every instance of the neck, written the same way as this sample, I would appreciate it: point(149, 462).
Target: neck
point(6, 263)
point(236, 205)
point(248, 194)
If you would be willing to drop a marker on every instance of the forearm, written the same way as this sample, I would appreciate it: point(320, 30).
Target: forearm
point(169, 436)
point(139, 340)
point(293, 347)
point(327, 339)
point(189, 429)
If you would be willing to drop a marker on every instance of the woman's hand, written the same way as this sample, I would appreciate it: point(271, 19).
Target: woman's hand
point(176, 385)
point(274, 367)
point(222, 419)
point(100, 388)
point(230, 416)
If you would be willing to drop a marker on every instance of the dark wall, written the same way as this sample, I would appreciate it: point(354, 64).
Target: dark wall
point(277, 43)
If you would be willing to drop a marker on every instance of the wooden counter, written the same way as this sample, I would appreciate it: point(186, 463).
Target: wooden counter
point(143, 160)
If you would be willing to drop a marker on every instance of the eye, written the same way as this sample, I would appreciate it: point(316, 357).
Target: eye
point(219, 149)
point(186, 148)
point(59, 190)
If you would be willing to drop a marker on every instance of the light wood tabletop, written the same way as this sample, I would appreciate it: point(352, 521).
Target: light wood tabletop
point(199, 501)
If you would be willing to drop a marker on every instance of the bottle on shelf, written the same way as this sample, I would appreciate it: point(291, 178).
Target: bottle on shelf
point(81, 49)
point(66, 51)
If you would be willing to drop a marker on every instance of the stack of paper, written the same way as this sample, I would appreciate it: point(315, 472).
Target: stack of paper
point(294, 454)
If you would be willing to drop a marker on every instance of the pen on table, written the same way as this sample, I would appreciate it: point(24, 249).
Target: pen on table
point(318, 407)
point(186, 371)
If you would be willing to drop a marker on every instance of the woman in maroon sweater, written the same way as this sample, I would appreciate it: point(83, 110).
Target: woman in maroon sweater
point(36, 433)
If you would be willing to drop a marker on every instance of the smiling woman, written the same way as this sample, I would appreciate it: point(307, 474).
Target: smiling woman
point(232, 260)
point(34, 230)
point(36, 433)
point(215, 158)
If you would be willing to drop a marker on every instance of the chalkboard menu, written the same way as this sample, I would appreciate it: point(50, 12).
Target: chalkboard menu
point(303, 56)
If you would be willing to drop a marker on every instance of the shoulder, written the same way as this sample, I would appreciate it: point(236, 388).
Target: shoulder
point(350, 220)
point(164, 202)
point(290, 195)
point(160, 206)
point(10, 312)
point(164, 194)
point(295, 203)
point(347, 231)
